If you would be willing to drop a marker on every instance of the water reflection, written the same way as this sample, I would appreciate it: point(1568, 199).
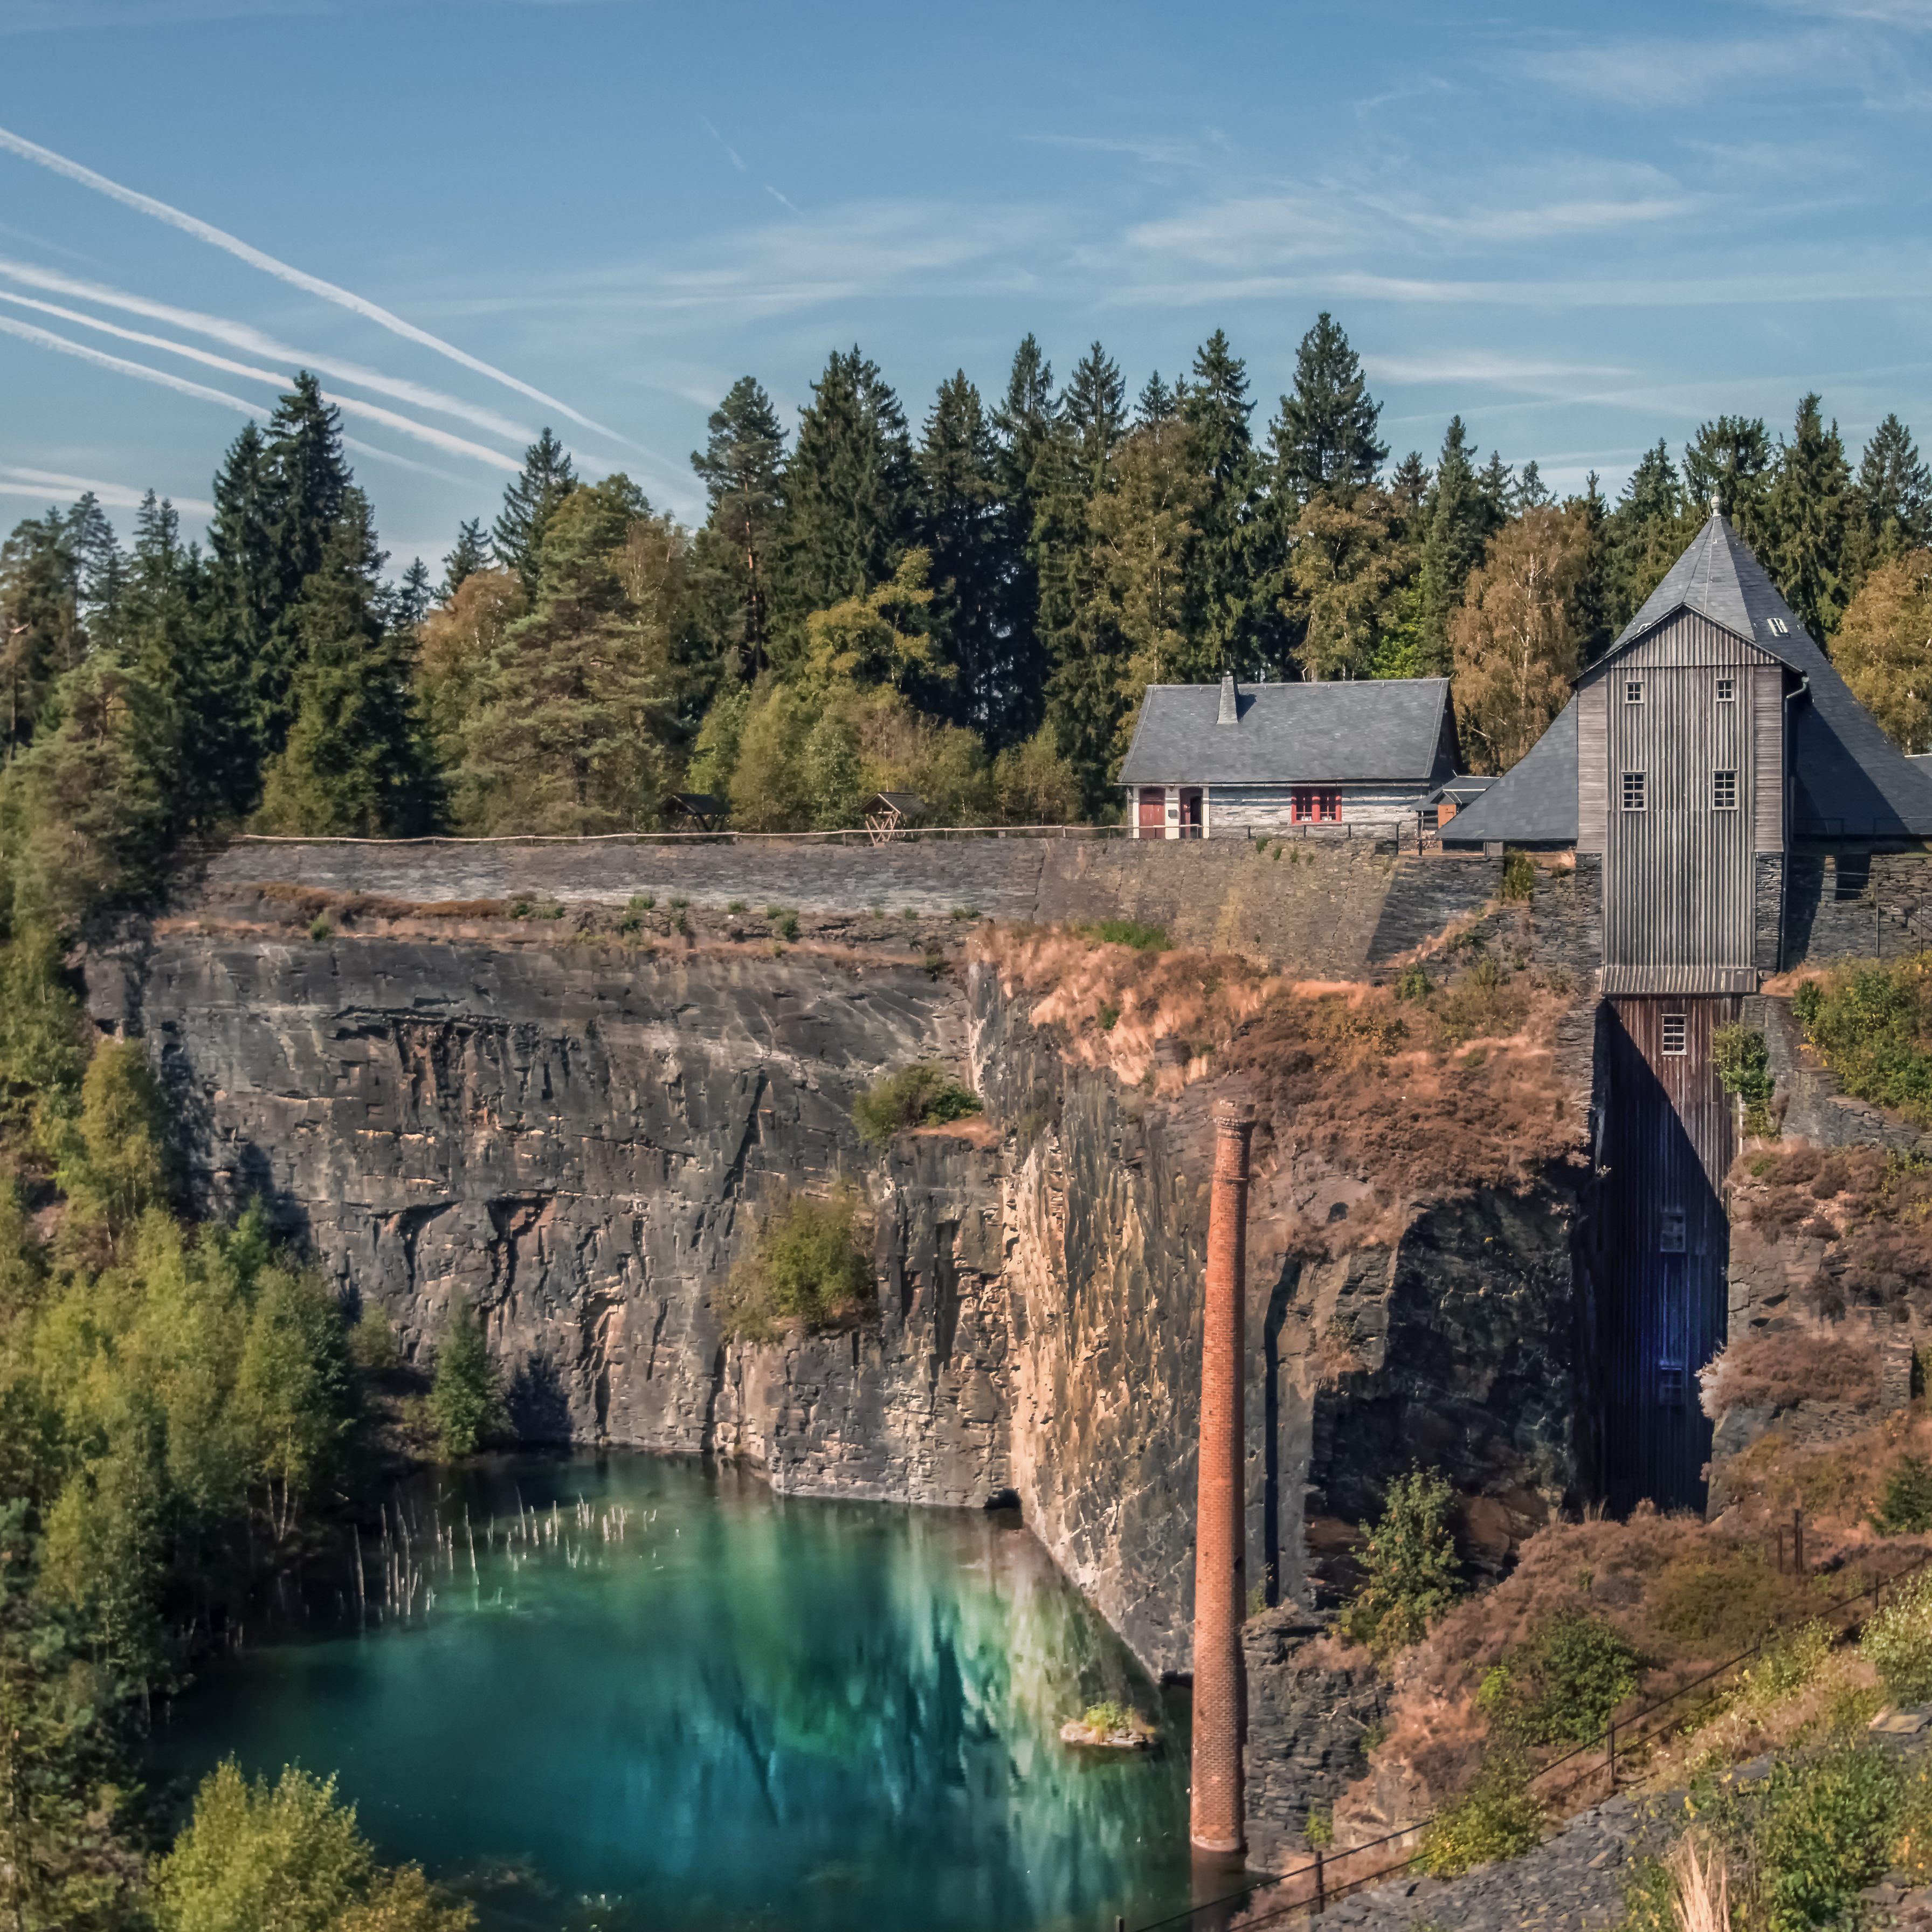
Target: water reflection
point(734, 1711)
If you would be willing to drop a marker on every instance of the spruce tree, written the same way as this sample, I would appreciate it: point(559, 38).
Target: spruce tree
point(1891, 510)
point(354, 764)
point(101, 569)
point(962, 530)
point(548, 476)
point(472, 553)
point(1073, 470)
point(1497, 486)
point(409, 601)
point(1226, 620)
point(1730, 458)
point(1590, 599)
point(1458, 517)
point(1408, 486)
point(1647, 532)
point(851, 497)
point(1023, 426)
point(246, 582)
point(1809, 509)
point(1156, 404)
point(41, 634)
point(1325, 438)
point(742, 468)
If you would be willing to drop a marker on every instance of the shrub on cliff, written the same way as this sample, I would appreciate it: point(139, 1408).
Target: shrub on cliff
point(1906, 1508)
point(913, 1097)
point(1560, 1687)
point(1872, 1023)
point(1413, 1573)
point(806, 1264)
point(1742, 1058)
point(1495, 1818)
point(1898, 1641)
point(465, 1400)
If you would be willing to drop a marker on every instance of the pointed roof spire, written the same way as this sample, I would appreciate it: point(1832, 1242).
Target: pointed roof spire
point(1716, 502)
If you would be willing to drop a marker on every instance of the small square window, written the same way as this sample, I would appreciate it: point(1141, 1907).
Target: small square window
point(1673, 1033)
point(1670, 1231)
point(1724, 791)
point(1633, 791)
point(1670, 1386)
point(1634, 691)
point(1727, 691)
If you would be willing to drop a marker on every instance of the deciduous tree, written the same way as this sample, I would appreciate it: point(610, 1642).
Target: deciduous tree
point(1883, 649)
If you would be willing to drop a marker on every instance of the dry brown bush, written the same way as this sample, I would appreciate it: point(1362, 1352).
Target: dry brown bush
point(1784, 1368)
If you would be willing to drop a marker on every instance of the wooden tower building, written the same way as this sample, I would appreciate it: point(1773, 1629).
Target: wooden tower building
point(1711, 739)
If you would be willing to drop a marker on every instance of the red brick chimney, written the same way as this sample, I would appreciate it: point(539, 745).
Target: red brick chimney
point(1216, 1822)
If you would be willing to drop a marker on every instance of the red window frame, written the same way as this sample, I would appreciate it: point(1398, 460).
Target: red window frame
point(1307, 805)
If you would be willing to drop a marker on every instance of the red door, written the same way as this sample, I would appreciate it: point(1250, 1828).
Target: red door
point(1153, 812)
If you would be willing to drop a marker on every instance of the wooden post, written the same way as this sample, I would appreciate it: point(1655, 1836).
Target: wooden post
point(1797, 1542)
point(1321, 1883)
point(1613, 1757)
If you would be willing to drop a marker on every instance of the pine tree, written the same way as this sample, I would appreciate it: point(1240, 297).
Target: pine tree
point(1590, 600)
point(1408, 485)
point(1458, 518)
point(1023, 426)
point(472, 553)
point(1730, 458)
point(100, 570)
point(1226, 620)
point(409, 601)
point(1325, 438)
point(962, 530)
point(1530, 492)
point(1497, 486)
point(531, 500)
point(354, 764)
point(568, 732)
point(850, 494)
point(1156, 404)
point(1809, 507)
point(742, 467)
point(246, 585)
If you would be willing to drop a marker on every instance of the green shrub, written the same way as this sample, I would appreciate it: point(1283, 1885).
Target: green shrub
point(1413, 1574)
point(642, 902)
point(1906, 1508)
point(319, 927)
point(965, 912)
point(1413, 984)
point(736, 906)
point(1318, 1830)
point(1108, 1715)
point(1519, 877)
point(1128, 932)
point(1897, 1641)
point(1743, 1061)
point(679, 904)
point(372, 1342)
point(913, 1097)
point(1825, 1827)
point(1495, 1818)
point(465, 1400)
point(1109, 1016)
point(1872, 1025)
point(805, 1264)
point(1563, 1684)
point(786, 925)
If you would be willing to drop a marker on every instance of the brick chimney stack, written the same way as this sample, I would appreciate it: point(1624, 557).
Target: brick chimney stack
point(1217, 1820)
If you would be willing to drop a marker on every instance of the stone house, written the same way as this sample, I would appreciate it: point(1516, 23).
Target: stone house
point(1236, 761)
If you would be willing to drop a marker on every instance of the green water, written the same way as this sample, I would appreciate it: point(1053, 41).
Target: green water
point(721, 1709)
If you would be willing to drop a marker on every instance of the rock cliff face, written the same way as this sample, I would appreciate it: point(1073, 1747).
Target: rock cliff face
point(577, 1138)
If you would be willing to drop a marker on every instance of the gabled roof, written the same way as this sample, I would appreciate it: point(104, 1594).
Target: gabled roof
point(1357, 732)
point(1534, 802)
point(1852, 781)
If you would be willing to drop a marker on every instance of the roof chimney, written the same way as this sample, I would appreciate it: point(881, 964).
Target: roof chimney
point(1230, 702)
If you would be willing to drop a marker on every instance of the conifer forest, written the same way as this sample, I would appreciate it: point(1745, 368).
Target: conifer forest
point(965, 603)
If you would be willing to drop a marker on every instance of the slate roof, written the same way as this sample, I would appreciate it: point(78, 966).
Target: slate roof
point(1534, 802)
point(1852, 782)
point(1351, 733)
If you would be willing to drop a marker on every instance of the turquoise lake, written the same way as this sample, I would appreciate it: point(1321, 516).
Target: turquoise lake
point(660, 1697)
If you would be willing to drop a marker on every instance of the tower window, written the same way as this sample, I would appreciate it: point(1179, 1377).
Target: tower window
point(1727, 691)
point(1633, 791)
point(1634, 691)
point(1724, 791)
point(1674, 1033)
point(1670, 1231)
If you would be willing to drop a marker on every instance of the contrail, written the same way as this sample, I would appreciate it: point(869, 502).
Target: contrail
point(115, 496)
point(240, 335)
point(47, 339)
point(219, 238)
point(457, 446)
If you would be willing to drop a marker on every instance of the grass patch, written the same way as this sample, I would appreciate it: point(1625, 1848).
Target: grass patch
point(1128, 932)
point(807, 1265)
point(914, 1097)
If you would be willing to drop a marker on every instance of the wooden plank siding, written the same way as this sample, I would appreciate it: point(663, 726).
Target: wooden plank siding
point(1768, 754)
point(1678, 877)
point(1236, 812)
point(1669, 1142)
point(1592, 764)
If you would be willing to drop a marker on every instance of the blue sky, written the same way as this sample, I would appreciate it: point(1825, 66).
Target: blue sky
point(1582, 227)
